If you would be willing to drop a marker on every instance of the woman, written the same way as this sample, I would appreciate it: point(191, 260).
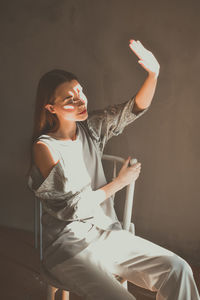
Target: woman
point(84, 247)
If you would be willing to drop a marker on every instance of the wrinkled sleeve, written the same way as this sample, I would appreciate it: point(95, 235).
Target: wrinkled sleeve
point(64, 205)
point(58, 201)
point(111, 121)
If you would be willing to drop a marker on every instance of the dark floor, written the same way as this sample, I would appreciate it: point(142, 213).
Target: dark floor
point(19, 269)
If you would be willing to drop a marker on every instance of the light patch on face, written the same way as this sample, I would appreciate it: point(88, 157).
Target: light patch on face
point(68, 107)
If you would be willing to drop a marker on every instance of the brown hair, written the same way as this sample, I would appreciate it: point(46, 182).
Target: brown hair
point(44, 121)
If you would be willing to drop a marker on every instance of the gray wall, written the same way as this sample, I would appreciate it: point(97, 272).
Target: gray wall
point(90, 38)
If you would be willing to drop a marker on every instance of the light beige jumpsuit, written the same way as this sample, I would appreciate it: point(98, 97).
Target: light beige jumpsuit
point(83, 243)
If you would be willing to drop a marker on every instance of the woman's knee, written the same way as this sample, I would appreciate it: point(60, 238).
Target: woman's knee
point(177, 265)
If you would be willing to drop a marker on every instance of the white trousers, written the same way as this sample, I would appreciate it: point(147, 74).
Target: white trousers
point(90, 273)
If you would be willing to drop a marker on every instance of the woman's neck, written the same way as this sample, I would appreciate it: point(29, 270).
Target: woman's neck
point(66, 131)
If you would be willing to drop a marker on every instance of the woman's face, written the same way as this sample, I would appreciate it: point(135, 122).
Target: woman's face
point(70, 102)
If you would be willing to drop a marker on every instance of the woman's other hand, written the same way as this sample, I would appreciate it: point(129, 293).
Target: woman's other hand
point(146, 58)
point(128, 174)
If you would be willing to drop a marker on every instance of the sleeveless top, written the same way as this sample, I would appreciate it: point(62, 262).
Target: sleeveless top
point(71, 219)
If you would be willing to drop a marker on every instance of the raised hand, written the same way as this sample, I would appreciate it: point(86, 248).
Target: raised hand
point(146, 59)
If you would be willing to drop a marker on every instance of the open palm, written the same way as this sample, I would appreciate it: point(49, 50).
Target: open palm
point(146, 59)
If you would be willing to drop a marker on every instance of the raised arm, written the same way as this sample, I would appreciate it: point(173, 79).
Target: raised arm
point(150, 64)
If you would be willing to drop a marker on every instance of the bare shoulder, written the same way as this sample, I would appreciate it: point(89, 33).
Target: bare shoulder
point(44, 159)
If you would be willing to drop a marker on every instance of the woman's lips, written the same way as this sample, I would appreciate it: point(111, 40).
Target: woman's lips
point(83, 112)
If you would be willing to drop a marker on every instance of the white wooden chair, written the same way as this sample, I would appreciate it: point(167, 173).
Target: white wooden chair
point(126, 224)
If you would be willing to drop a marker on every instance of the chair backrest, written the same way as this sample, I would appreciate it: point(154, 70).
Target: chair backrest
point(126, 223)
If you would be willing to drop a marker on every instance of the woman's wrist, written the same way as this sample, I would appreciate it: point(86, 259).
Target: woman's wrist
point(109, 189)
point(153, 76)
point(119, 183)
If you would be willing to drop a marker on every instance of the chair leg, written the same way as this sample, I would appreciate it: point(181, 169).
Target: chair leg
point(36, 222)
point(65, 295)
point(40, 229)
point(51, 291)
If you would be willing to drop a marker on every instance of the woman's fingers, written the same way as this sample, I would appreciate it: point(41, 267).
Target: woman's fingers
point(146, 59)
point(126, 163)
point(139, 49)
point(135, 47)
point(137, 165)
point(129, 173)
point(134, 166)
point(142, 46)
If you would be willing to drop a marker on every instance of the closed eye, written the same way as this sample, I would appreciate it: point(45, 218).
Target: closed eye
point(68, 98)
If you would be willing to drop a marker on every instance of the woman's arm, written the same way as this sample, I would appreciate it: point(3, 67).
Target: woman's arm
point(126, 175)
point(150, 64)
point(45, 160)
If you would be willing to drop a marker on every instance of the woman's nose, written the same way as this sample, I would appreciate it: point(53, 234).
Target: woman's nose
point(81, 101)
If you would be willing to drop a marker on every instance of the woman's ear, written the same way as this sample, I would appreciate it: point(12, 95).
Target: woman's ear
point(50, 108)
